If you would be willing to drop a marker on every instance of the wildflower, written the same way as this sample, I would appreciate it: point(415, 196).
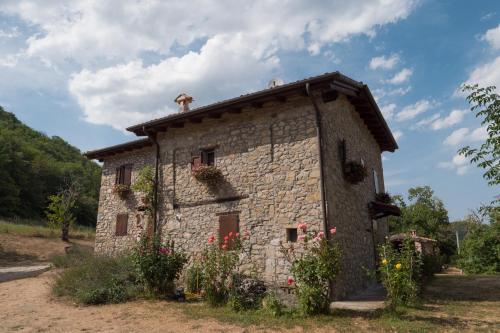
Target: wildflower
point(224, 247)
point(237, 235)
point(384, 262)
point(333, 230)
point(398, 265)
point(164, 250)
point(226, 238)
point(230, 234)
point(302, 226)
point(320, 235)
point(211, 239)
point(301, 237)
point(290, 281)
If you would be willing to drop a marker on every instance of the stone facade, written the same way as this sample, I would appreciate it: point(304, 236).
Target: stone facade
point(270, 164)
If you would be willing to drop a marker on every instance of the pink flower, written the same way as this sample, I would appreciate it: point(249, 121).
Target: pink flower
point(231, 234)
point(226, 238)
point(164, 250)
point(301, 237)
point(290, 281)
point(224, 247)
point(211, 239)
point(320, 235)
point(302, 226)
point(237, 234)
point(333, 230)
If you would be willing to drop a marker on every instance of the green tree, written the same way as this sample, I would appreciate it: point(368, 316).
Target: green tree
point(486, 103)
point(60, 209)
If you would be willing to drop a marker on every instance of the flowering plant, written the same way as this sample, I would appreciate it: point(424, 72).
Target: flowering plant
point(354, 172)
point(219, 264)
point(207, 174)
point(400, 273)
point(121, 190)
point(158, 264)
point(315, 264)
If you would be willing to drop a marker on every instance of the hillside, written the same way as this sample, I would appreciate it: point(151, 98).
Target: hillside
point(34, 166)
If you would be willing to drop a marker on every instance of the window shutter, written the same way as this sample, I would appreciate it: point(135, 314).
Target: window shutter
point(195, 162)
point(228, 223)
point(121, 224)
point(117, 176)
point(127, 174)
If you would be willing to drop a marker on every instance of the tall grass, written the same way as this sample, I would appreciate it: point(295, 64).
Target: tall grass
point(32, 228)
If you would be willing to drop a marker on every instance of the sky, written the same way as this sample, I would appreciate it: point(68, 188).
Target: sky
point(85, 70)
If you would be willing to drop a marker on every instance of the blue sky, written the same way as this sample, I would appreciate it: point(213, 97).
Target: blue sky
point(84, 70)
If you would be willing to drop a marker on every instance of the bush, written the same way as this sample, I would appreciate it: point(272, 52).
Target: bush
point(314, 269)
point(247, 293)
point(194, 278)
point(400, 273)
point(75, 256)
point(219, 267)
point(99, 280)
point(432, 264)
point(158, 265)
point(273, 305)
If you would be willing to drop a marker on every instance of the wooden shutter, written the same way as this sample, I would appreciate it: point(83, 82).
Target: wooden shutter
point(118, 175)
point(228, 223)
point(195, 162)
point(121, 224)
point(127, 174)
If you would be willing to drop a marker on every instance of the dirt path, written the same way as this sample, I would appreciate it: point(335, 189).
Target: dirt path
point(27, 306)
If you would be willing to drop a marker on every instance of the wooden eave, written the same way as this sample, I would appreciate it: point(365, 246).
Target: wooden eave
point(100, 154)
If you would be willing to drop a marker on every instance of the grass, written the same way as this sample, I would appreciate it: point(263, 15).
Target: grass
point(30, 228)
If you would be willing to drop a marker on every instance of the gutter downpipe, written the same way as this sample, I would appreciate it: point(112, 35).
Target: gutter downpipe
point(319, 137)
point(152, 137)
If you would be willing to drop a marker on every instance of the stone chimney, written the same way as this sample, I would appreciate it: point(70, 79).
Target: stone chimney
point(183, 100)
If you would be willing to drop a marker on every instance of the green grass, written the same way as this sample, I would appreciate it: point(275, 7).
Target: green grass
point(31, 228)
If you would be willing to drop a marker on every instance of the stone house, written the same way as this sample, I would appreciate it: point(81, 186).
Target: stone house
point(287, 154)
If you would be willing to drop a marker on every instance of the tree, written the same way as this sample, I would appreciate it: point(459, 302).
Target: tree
point(60, 209)
point(486, 103)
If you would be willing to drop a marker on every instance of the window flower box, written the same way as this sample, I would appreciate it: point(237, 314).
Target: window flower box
point(383, 197)
point(121, 190)
point(207, 174)
point(354, 172)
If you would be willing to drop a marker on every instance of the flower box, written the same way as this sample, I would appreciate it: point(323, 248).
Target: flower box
point(383, 197)
point(354, 172)
point(121, 190)
point(207, 174)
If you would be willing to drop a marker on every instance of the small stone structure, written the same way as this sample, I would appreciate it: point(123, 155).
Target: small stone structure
point(280, 153)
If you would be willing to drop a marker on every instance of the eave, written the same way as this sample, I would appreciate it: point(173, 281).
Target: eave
point(100, 154)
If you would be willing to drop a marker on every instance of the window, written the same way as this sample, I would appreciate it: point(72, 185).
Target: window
point(121, 224)
point(124, 174)
point(375, 182)
point(291, 235)
point(228, 223)
point(208, 157)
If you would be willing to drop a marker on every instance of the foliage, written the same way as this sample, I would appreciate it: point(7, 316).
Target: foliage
point(354, 172)
point(122, 190)
point(158, 264)
point(400, 273)
point(383, 197)
point(29, 229)
point(272, 304)
point(98, 280)
point(314, 268)
point(486, 103)
point(246, 293)
point(144, 184)
point(73, 257)
point(194, 278)
point(220, 263)
point(60, 209)
point(34, 166)
point(432, 264)
point(480, 250)
point(208, 175)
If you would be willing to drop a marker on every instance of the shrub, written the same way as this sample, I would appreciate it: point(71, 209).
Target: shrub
point(247, 293)
point(194, 278)
point(400, 273)
point(432, 264)
point(158, 264)
point(314, 269)
point(144, 184)
point(273, 305)
point(75, 256)
point(99, 280)
point(219, 267)
point(208, 175)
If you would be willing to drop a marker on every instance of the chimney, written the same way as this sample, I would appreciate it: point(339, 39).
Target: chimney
point(183, 100)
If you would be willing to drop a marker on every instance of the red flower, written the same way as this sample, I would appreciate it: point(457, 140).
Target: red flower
point(164, 250)
point(290, 281)
point(237, 234)
point(333, 230)
point(231, 234)
point(302, 226)
point(211, 239)
point(226, 238)
point(224, 247)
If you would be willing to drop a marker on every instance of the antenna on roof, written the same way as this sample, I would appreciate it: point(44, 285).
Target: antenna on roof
point(275, 83)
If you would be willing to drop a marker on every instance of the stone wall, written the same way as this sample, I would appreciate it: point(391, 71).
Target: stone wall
point(347, 204)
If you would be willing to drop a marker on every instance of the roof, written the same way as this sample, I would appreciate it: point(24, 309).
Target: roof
point(99, 154)
point(330, 85)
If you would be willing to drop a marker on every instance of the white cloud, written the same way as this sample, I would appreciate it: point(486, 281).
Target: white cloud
point(413, 110)
point(455, 117)
point(11, 33)
point(429, 120)
point(384, 62)
point(219, 50)
point(400, 77)
point(397, 134)
point(492, 36)
point(487, 74)
point(388, 110)
point(464, 136)
point(458, 163)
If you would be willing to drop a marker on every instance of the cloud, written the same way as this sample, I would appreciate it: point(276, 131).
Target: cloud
point(135, 92)
point(400, 77)
point(388, 110)
point(458, 163)
point(492, 36)
point(397, 135)
point(413, 110)
point(464, 136)
point(219, 50)
point(11, 33)
point(435, 121)
point(384, 62)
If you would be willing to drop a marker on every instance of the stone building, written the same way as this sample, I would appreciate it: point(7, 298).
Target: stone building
point(291, 153)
